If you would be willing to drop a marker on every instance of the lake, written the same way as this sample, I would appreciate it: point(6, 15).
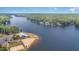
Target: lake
point(52, 38)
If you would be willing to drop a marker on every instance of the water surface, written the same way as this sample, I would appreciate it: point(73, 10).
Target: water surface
point(52, 39)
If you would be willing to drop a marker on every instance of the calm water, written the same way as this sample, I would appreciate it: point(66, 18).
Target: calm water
point(52, 39)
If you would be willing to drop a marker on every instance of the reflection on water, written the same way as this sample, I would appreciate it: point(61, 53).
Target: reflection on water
point(52, 38)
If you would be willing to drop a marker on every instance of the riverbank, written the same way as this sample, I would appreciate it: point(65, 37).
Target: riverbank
point(54, 20)
point(53, 39)
point(23, 43)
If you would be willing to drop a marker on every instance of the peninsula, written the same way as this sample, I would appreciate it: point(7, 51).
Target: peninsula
point(12, 38)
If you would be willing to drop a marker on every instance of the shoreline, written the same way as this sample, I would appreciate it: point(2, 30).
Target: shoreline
point(26, 43)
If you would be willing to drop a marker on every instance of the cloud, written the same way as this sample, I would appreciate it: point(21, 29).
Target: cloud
point(73, 10)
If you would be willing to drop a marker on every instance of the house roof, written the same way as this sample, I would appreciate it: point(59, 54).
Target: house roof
point(22, 34)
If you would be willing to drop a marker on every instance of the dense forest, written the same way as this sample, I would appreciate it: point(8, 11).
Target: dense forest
point(4, 19)
point(53, 19)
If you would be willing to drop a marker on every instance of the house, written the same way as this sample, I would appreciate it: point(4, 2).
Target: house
point(23, 35)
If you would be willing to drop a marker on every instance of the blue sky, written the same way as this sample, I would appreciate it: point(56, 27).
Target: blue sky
point(39, 10)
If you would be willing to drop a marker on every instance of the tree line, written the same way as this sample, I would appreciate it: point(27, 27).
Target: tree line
point(7, 29)
point(54, 19)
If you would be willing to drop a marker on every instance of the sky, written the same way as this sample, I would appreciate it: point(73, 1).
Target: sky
point(39, 10)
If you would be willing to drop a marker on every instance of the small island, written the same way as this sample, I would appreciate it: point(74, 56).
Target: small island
point(12, 38)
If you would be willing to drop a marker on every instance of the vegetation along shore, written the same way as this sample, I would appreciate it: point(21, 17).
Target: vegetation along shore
point(54, 19)
point(12, 38)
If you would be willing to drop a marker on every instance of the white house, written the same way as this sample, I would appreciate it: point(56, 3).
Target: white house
point(23, 34)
